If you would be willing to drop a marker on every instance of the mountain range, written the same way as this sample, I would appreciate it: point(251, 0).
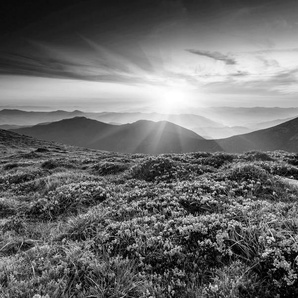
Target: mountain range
point(139, 137)
point(281, 137)
point(213, 123)
point(160, 137)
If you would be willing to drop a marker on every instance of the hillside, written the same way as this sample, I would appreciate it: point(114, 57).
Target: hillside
point(85, 223)
point(11, 141)
point(19, 117)
point(197, 123)
point(281, 137)
point(161, 137)
point(25, 118)
point(207, 123)
point(247, 116)
point(141, 136)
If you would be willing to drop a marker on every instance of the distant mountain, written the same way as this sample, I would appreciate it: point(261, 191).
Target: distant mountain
point(212, 123)
point(10, 126)
point(185, 120)
point(281, 137)
point(267, 124)
point(18, 117)
point(247, 117)
point(139, 137)
point(24, 118)
point(221, 132)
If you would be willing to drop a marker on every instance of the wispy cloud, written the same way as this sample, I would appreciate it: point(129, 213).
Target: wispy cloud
point(214, 55)
point(95, 63)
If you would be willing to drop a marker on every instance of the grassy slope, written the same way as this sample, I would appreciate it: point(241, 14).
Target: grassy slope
point(84, 223)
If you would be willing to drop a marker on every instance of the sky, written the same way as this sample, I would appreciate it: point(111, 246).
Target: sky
point(148, 55)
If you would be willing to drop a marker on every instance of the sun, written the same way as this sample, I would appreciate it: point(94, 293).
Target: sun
point(172, 100)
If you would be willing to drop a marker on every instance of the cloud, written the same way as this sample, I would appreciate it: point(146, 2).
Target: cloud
point(94, 63)
point(214, 55)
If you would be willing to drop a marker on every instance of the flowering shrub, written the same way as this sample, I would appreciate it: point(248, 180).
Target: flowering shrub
point(257, 156)
point(171, 226)
point(70, 271)
point(52, 164)
point(110, 168)
point(10, 166)
point(154, 168)
point(68, 199)
point(217, 160)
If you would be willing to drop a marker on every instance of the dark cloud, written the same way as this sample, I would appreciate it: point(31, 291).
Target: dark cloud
point(214, 55)
point(290, 50)
point(270, 85)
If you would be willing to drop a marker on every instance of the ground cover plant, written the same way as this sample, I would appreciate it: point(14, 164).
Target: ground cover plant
point(85, 223)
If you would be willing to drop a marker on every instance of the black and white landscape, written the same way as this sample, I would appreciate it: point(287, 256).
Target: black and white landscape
point(148, 149)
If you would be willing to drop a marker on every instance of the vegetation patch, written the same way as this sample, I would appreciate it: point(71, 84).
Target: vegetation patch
point(110, 168)
point(168, 226)
point(257, 156)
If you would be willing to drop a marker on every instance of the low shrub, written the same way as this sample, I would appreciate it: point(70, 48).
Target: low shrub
point(154, 168)
point(10, 166)
point(242, 172)
point(14, 223)
point(53, 164)
point(8, 207)
point(70, 271)
point(217, 160)
point(110, 168)
point(42, 150)
point(257, 156)
point(67, 199)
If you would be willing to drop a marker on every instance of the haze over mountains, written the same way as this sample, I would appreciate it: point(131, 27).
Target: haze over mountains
point(140, 137)
point(281, 137)
point(212, 123)
point(160, 137)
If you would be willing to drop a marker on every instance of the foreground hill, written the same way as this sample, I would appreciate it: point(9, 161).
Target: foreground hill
point(11, 141)
point(141, 136)
point(85, 223)
point(281, 137)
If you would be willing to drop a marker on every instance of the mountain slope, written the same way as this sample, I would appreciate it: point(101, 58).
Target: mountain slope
point(18, 117)
point(142, 136)
point(280, 137)
point(11, 142)
point(246, 116)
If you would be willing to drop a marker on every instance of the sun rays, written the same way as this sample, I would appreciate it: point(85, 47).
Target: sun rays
point(173, 100)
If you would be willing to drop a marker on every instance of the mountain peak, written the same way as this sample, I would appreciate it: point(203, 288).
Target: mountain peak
point(142, 136)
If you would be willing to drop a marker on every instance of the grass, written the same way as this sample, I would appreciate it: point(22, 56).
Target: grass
point(84, 223)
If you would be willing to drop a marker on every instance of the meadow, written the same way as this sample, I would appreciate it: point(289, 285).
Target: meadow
point(87, 223)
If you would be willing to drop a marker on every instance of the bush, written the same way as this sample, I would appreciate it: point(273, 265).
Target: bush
point(257, 156)
point(70, 271)
point(67, 199)
point(10, 166)
point(110, 168)
point(217, 160)
point(154, 168)
point(242, 172)
point(42, 150)
point(8, 207)
point(53, 164)
point(15, 224)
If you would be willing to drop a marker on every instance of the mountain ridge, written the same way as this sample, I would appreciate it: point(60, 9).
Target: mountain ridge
point(280, 137)
point(142, 136)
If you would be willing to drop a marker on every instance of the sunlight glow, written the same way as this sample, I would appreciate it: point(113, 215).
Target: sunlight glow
point(173, 100)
